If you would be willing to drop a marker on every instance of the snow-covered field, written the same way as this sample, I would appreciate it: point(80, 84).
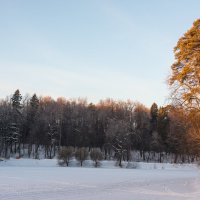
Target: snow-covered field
point(42, 179)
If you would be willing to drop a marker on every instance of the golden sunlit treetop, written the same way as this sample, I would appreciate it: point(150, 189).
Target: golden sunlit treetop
point(185, 77)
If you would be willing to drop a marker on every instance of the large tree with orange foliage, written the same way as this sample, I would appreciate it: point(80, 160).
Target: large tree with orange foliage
point(185, 77)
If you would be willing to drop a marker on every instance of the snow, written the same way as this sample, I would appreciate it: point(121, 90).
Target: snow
point(28, 179)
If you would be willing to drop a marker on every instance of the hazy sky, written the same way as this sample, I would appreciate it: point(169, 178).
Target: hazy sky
point(122, 49)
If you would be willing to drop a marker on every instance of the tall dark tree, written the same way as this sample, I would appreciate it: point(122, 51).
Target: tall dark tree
point(142, 127)
point(31, 121)
point(16, 100)
point(154, 116)
point(163, 123)
point(34, 102)
point(15, 127)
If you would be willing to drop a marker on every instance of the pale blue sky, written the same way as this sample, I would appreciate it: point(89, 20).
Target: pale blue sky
point(122, 49)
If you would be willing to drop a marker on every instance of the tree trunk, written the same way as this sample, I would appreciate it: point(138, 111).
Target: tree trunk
point(15, 147)
point(176, 158)
point(143, 155)
point(29, 150)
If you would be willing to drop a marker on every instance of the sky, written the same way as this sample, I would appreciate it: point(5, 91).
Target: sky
point(94, 49)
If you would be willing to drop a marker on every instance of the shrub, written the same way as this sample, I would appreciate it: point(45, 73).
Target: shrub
point(96, 155)
point(65, 155)
point(81, 155)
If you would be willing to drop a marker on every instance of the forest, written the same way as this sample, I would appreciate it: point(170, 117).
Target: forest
point(120, 126)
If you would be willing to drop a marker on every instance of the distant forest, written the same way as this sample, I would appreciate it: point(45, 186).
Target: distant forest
point(119, 126)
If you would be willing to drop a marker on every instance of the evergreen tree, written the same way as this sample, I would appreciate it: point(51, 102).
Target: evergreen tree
point(16, 100)
point(163, 124)
point(34, 102)
point(154, 116)
point(34, 105)
point(15, 126)
point(185, 76)
point(31, 117)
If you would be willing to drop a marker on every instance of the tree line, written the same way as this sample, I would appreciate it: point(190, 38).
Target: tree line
point(112, 126)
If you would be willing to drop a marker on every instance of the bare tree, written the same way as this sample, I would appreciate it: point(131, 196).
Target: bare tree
point(81, 155)
point(96, 155)
point(118, 135)
point(65, 155)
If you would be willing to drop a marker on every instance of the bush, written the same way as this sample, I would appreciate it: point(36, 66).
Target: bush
point(81, 155)
point(96, 155)
point(65, 155)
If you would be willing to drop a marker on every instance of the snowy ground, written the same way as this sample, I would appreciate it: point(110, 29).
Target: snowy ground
point(42, 179)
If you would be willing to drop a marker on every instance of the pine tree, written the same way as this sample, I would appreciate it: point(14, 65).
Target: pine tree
point(31, 116)
point(34, 105)
point(185, 77)
point(154, 116)
point(16, 124)
point(163, 124)
point(16, 100)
